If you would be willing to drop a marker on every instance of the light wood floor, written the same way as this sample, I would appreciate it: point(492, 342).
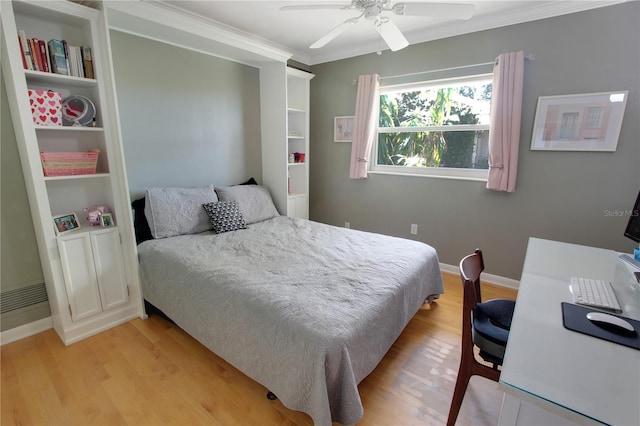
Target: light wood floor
point(149, 372)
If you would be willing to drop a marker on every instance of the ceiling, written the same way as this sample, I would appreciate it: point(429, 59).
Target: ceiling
point(295, 30)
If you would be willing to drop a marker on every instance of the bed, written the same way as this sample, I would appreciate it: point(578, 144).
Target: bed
point(306, 309)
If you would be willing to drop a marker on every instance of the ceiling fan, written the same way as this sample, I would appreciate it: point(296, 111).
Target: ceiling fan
point(372, 10)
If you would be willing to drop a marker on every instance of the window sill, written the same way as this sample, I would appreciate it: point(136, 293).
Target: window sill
point(448, 175)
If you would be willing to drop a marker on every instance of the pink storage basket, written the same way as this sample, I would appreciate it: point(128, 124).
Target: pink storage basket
point(69, 163)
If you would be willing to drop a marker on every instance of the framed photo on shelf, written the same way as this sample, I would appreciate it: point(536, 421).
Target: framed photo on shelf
point(65, 223)
point(587, 122)
point(343, 128)
point(106, 220)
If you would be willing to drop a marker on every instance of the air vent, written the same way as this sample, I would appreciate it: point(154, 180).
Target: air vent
point(22, 297)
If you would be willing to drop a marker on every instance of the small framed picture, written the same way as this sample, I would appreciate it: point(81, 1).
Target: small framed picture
point(65, 223)
point(343, 128)
point(106, 220)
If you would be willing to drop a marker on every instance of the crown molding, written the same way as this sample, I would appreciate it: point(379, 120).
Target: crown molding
point(162, 22)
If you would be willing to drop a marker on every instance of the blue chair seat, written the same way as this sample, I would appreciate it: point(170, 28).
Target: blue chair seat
point(491, 324)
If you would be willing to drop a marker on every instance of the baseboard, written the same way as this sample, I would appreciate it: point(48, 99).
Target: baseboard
point(488, 278)
point(25, 330)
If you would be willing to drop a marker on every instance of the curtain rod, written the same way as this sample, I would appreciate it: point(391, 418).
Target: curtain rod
point(529, 57)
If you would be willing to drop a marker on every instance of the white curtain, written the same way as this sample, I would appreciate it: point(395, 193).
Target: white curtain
point(364, 125)
point(506, 112)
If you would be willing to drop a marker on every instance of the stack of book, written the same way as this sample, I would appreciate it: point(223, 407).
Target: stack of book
point(55, 56)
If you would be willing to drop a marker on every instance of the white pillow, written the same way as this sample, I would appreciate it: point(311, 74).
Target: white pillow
point(178, 211)
point(254, 201)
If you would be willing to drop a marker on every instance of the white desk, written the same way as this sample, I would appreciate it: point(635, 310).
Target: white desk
point(550, 372)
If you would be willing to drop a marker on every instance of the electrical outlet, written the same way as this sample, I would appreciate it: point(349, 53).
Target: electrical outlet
point(414, 229)
point(347, 225)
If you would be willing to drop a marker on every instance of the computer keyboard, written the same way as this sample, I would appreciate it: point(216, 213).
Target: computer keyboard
point(595, 293)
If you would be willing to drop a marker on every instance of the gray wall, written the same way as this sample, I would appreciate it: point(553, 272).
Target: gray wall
point(560, 195)
point(20, 262)
point(187, 118)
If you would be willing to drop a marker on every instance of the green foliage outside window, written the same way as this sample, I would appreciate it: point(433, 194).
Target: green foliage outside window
point(443, 107)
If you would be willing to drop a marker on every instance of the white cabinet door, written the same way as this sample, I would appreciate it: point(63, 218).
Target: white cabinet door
point(93, 272)
point(302, 207)
point(109, 265)
point(79, 273)
point(298, 206)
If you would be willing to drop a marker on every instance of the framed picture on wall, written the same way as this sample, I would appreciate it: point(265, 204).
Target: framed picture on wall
point(588, 122)
point(65, 223)
point(343, 128)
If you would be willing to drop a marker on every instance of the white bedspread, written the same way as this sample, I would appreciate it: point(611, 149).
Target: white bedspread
point(306, 309)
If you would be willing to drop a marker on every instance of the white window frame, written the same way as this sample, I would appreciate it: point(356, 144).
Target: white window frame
point(438, 172)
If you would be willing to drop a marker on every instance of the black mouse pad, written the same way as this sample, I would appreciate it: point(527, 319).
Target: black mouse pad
point(574, 318)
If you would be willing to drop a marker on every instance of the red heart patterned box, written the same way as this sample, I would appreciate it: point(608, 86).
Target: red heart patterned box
point(46, 107)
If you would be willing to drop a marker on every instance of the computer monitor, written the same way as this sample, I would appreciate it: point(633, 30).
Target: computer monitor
point(633, 226)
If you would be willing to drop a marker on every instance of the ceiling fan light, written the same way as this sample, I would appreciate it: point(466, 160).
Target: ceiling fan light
point(372, 12)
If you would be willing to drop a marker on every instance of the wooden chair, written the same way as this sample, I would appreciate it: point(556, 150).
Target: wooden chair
point(485, 325)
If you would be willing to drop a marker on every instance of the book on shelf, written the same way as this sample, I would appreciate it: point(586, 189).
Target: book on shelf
point(44, 57)
point(35, 53)
point(24, 50)
point(66, 55)
point(87, 61)
point(58, 59)
point(55, 56)
point(24, 59)
point(79, 61)
point(75, 62)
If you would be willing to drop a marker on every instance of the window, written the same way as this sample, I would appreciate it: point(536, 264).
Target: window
point(594, 117)
point(569, 125)
point(435, 128)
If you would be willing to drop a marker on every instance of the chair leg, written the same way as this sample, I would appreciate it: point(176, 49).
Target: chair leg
point(462, 382)
point(469, 366)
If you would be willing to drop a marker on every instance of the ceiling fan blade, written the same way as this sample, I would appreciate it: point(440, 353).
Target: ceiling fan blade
point(316, 6)
point(436, 10)
point(333, 33)
point(391, 34)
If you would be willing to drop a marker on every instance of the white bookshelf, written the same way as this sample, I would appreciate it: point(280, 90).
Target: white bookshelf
point(298, 88)
point(94, 261)
point(284, 105)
